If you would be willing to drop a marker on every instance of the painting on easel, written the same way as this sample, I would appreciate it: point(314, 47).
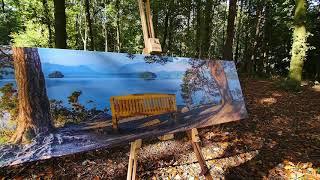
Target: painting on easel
point(76, 101)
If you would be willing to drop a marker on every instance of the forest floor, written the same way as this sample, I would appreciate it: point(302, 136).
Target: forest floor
point(280, 139)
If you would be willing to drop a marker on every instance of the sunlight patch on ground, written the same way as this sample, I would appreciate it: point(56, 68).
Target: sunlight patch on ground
point(292, 170)
point(316, 88)
point(276, 94)
point(268, 101)
point(217, 167)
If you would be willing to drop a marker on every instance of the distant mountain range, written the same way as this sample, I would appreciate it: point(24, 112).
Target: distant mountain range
point(129, 70)
point(82, 70)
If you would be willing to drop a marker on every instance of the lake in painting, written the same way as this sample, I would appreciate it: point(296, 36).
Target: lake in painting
point(102, 75)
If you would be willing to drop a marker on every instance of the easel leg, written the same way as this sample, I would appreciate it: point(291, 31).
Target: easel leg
point(194, 138)
point(132, 165)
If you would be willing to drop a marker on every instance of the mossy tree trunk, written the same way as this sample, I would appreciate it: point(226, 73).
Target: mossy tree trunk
point(299, 46)
point(34, 109)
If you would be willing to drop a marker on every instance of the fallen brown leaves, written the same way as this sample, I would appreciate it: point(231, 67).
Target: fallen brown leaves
point(280, 140)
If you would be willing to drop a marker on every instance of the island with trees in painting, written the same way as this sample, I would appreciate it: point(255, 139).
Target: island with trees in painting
point(57, 102)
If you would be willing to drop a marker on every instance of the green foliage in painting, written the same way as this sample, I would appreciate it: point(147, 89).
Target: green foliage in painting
point(63, 115)
point(9, 101)
point(8, 108)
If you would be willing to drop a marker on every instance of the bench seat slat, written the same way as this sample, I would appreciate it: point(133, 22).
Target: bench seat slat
point(141, 104)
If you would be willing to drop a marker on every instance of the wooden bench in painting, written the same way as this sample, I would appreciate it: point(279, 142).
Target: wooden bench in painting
point(141, 105)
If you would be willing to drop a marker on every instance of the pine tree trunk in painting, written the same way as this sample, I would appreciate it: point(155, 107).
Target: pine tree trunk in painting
point(60, 24)
point(227, 50)
point(217, 70)
point(89, 22)
point(34, 109)
point(299, 46)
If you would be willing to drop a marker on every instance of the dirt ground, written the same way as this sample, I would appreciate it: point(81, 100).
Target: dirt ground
point(279, 140)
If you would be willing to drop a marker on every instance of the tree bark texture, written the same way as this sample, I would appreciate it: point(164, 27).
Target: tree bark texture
point(60, 24)
point(198, 44)
point(299, 46)
point(47, 20)
point(89, 23)
point(257, 40)
point(227, 50)
point(206, 34)
point(34, 109)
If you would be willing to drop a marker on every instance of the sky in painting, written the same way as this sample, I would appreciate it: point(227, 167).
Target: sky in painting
point(104, 62)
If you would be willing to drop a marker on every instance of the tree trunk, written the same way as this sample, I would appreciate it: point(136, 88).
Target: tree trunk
point(118, 26)
point(254, 54)
point(317, 76)
point(34, 109)
point(266, 39)
point(206, 35)
point(47, 20)
point(239, 31)
point(77, 28)
point(246, 51)
point(227, 50)
point(221, 81)
point(170, 38)
point(155, 16)
point(89, 22)
point(118, 37)
point(60, 24)
point(165, 30)
point(83, 30)
point(198, 28)
point(105, 29)
point(299, 46)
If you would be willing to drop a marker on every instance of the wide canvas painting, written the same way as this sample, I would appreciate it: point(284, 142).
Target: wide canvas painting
point(103, 99)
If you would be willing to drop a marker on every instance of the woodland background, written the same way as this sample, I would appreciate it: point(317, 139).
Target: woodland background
point(193, 28)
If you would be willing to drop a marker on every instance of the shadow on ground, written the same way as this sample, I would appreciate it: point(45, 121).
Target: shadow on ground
point(287, 122)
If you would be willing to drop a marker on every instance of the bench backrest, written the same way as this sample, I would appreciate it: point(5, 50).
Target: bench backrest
point(142, 104)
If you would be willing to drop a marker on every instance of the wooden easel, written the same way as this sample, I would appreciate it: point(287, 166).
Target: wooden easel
point(152, 46)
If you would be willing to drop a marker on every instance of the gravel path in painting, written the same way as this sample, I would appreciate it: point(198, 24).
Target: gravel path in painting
point(280, 139)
